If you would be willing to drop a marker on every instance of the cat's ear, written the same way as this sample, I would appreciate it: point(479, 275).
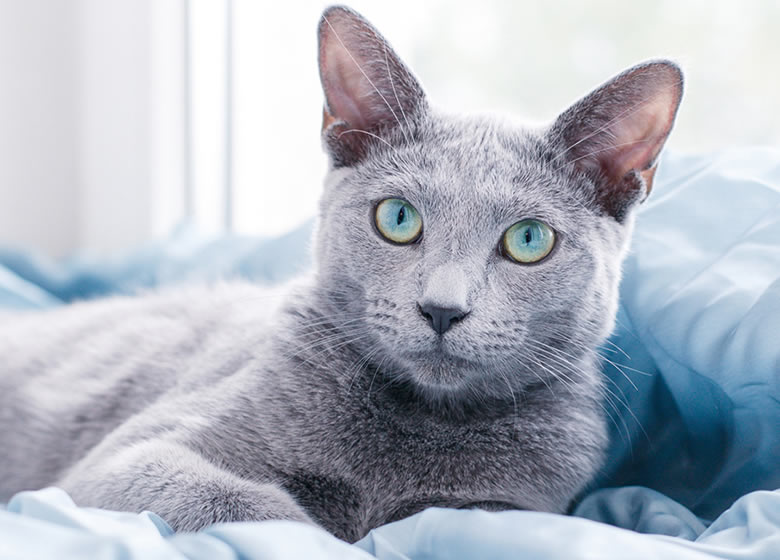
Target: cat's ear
point(615, 134)
point(369, 92)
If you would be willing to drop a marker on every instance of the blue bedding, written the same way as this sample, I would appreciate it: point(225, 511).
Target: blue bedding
point(694, 377)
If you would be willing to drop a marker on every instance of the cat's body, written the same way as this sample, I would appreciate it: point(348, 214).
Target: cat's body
point(434, 372)
point(352, 455)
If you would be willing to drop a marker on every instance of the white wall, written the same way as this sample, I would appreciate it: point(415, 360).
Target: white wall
point(91, 122)
point(92, 97)
point(39, 128)
point(131, 116)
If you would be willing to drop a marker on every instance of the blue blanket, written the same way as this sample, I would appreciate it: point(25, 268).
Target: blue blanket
point(694, 378)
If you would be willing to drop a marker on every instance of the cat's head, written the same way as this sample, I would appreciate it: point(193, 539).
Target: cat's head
point(463, 255)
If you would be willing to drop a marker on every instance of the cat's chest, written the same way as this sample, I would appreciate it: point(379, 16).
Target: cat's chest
point(381, 472)
point(454, 465)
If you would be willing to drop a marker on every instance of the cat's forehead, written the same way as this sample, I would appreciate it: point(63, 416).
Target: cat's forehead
point(489, 169)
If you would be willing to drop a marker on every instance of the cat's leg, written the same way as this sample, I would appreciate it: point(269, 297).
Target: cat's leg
point(173, 481)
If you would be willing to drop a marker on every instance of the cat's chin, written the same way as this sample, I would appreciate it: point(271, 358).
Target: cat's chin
point(451, 387)
point(441, 372)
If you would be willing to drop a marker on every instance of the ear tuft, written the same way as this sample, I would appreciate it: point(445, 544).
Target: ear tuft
point(368, 90)
point(616, 133)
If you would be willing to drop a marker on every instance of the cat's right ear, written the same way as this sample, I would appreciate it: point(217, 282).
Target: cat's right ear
point(370, 95)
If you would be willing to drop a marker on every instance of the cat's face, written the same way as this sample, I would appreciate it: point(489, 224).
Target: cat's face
point(433, 286)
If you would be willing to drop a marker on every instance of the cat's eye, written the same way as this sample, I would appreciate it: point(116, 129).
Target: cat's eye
point(528, 241)
point(398, 221)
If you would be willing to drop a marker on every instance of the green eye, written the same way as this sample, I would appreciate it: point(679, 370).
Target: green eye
point(528, 241)
point(398, 221)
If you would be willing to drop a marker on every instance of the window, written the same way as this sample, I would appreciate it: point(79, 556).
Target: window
point(256, 160)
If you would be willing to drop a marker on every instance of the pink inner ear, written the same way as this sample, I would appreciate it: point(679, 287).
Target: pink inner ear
point(345, 85)
point(353, 73)
point(367, 87)
point(638, 135)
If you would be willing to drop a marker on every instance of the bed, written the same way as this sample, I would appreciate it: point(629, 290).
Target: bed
point(693, 371)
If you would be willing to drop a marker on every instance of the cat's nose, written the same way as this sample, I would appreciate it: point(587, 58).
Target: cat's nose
point(441, 318)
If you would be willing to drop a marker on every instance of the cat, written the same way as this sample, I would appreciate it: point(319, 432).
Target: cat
point(441, 353)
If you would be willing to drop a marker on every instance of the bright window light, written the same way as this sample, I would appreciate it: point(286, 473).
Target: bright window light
point(526, 58)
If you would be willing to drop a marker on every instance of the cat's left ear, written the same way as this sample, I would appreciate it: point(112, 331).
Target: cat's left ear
point(616, 133)
point(370, 95)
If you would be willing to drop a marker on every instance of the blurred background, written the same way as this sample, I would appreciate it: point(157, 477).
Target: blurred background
point(120, 119)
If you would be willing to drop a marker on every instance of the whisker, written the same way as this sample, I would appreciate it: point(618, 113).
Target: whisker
point(625, 404)
point(619, 367)
point(540, 378)
point(608, 394)
point(618, 348)
point(330, 349)
point(359, 365)
point(377, 369)
point(597, 356)
point(616, 413)
point(511, 391)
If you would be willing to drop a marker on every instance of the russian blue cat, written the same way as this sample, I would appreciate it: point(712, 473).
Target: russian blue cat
point(441, 353)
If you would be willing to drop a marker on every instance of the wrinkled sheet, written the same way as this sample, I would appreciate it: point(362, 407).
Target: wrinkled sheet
point(46, 524)
point(694, 395)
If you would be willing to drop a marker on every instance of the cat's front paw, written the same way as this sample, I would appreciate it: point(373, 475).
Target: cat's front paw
point(219, 504)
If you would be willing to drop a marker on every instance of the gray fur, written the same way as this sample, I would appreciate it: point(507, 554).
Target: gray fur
point(332, 401)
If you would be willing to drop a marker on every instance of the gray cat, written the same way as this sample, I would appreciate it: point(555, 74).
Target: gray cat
point(441, 354)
